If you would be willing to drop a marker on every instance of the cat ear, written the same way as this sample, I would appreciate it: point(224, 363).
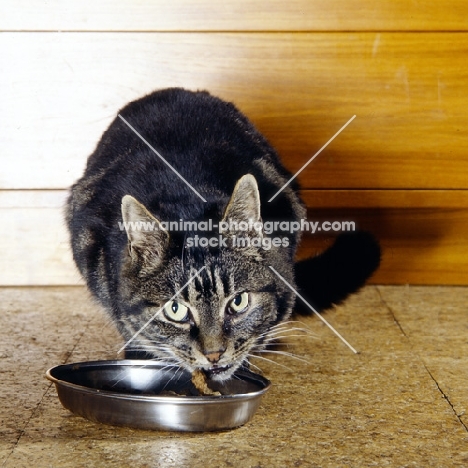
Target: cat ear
point(147, 238)
point(244, 205)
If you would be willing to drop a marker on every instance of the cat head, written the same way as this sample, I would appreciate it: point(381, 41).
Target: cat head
point(202, 305)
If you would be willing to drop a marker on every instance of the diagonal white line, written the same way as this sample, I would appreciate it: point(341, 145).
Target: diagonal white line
point(314, 311)
point(161, 157)
point(312, 158)
point(159, 310)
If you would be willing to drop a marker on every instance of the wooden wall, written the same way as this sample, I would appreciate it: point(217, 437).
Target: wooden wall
point(300, 69)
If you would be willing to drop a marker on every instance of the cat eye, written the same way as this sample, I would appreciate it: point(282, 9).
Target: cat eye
point(176, 311)
point(239, 303)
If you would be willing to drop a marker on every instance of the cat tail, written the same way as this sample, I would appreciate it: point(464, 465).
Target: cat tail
point(337, 272)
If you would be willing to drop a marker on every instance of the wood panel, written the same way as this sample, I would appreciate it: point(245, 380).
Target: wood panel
point(34, 243)
point(421, 245)
point(299, 69)
point(407, 90)
point(385, 198)
point(234, 15)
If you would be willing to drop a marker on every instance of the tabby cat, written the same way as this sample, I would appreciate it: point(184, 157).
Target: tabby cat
point(196, 298)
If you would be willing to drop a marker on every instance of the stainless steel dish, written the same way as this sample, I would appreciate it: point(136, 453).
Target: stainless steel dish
point(145, 394)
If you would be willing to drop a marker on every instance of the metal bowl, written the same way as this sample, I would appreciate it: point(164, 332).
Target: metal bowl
point(147, 395)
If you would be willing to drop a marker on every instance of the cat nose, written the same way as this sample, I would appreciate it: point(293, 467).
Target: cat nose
point(215, 356)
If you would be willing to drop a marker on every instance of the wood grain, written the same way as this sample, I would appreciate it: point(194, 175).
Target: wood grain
point(404, 198)
point(299, 69)
point(35, 246)
point(407, 90)
point(421, 245)
point(234, 15)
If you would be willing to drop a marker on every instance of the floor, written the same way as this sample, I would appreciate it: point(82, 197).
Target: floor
point(400, 402)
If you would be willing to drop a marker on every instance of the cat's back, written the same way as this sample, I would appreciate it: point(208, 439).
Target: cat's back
point(164, 145)
point(185, 128)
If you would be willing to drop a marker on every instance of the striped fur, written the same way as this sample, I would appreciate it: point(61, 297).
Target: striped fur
point(134, 274)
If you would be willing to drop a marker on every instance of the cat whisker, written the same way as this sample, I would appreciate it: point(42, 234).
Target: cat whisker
point(285, 322)
point(275, 330)
point(235, 377)
point(269, 360)
point(123, 373)
point(150, 349)
point(281, 335)
point(274, 340)
point(279, 340)
point(174, 376)
point(169, 361)
point(169, 367)
point(289, 322)
point(304, 330)
point(283, 353)
point(256, 367)
point(142, 366)
point(149, 345)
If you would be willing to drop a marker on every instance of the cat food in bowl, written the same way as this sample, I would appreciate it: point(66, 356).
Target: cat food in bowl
point(152, 395)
